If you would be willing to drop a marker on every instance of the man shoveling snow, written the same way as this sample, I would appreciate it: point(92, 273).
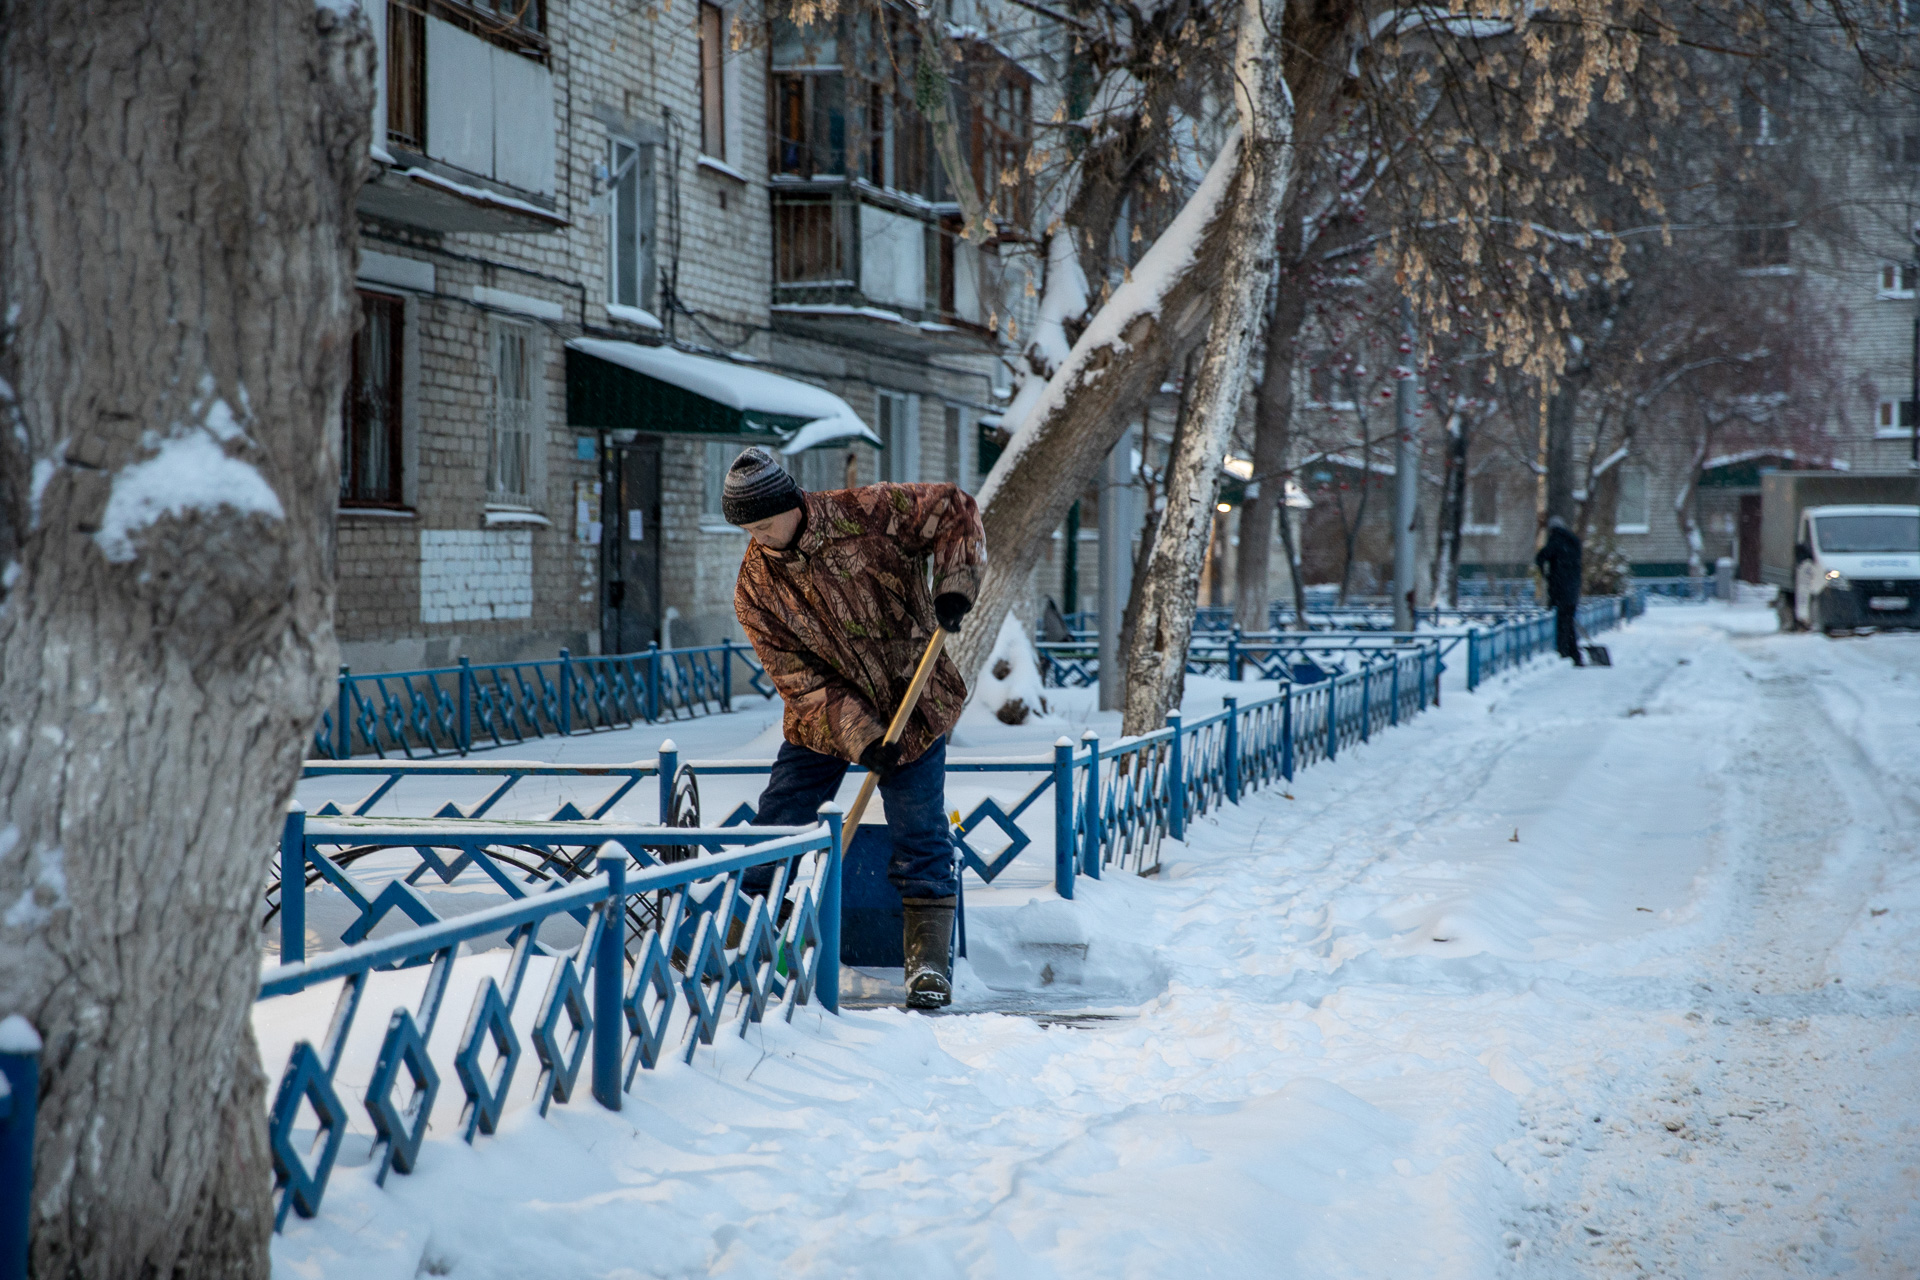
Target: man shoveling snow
point(833, 595)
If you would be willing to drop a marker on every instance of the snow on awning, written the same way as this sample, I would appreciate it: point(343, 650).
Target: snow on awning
point(616, 385)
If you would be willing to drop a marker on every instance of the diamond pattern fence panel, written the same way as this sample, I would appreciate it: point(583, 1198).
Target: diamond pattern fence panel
point(671, 947)
point(442, 711)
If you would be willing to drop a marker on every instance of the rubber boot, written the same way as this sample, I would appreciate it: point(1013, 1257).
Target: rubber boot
point(928, 939)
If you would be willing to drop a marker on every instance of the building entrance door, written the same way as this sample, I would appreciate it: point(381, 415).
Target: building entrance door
point(1749, 537)
point(630, 547)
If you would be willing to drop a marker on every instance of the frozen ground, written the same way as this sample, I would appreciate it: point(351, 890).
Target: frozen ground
point(1610, 972)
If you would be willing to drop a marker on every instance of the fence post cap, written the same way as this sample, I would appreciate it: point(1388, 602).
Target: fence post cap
point(565, 652)
point(1230, 700)
point(1173, 717)
point(1063, 741)
point(828, 807)
point(294, 806)
point(17, 1035)
point(610, 855)
point(669, 747)
point(1090, 736)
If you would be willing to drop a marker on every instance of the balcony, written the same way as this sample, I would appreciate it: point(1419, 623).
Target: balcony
point(856, 263)
point(463, 122)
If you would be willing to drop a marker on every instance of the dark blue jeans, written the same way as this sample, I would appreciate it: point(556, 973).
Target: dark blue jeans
point(916, 800)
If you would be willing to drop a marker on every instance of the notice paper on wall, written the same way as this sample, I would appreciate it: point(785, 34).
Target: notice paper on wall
point(586, 512)
point(636, 526)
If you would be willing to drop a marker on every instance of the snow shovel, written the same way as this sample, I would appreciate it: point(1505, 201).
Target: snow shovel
point(921, 674)
point(1596, 653)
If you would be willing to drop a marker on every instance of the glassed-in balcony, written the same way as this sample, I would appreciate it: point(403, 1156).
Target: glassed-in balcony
point(866, 233)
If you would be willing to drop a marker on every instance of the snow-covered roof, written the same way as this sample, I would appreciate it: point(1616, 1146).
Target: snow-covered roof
point(737, 386)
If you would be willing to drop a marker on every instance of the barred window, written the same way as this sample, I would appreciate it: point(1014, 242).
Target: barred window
point(370, 418)
point(1633, 512)
point(510, 444)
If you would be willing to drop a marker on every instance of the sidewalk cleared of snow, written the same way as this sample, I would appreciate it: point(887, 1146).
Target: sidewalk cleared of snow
point(1570, 975)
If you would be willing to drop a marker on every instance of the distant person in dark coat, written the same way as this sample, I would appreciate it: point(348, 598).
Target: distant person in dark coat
point(1559, 561)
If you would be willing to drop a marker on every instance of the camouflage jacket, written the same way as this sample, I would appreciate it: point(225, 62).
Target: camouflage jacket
point(841, 618)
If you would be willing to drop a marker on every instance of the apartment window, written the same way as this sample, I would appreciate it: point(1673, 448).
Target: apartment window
point(629, 224)
point(1897, 279)
point(720, 456)
point(1483, 505)
point(510, 456)
point(858, 118)
point(1002, 135)
point(406, 77)
point(817, 470)
point(1763, 112)
point(1763, 246)
point(1893, 418)
point(370, 418)
point(1901, 149)
point(899, 423)
point(958, 472)
point(1330, 381)
point(713, 101)
point(1631, 512)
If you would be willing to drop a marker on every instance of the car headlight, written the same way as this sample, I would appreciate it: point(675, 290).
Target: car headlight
point(1837, 581)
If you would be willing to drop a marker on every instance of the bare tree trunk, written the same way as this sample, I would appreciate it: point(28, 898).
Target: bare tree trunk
point(177, 242)
point(1683, 504)
point(1562, 409)
point(1453, 500)
point(1156, 511)
point(1272, 438)
point(1351, 529)
point(1157, 661)
point(1292, 547)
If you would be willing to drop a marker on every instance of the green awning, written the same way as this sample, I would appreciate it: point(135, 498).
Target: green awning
point(615, 386)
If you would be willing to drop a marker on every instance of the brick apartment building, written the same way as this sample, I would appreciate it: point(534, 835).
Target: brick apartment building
point(602, 250)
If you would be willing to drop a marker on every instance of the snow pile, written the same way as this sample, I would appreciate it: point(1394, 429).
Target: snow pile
point(1009, 684)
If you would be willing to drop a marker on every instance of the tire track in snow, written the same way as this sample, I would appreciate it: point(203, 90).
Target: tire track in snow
point(1768, 1132)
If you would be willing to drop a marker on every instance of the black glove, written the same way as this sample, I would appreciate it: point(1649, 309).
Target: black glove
point(882, 759)
point(950, 607)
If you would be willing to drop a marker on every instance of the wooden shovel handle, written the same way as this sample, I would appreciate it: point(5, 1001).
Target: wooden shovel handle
point(921, 674)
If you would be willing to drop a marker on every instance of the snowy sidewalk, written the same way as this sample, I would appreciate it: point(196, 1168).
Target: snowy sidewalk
point(1611, 971)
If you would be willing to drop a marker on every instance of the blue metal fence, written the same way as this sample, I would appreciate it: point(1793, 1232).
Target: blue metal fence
point(1296, 656)
point(667, 939)
point(1494, 649)
point(439, 711)
point(1697, 590)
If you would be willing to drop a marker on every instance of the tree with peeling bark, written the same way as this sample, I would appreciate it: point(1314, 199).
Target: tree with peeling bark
point(177, 246)
point(1157, 658)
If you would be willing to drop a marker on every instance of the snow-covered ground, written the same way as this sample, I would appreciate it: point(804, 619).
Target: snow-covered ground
point(1608, 972)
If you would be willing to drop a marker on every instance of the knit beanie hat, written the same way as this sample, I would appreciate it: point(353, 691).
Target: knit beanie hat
point(757, 487)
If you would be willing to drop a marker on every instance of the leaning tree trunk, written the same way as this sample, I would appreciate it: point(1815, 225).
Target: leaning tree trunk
point(1091, 400)
point(177, 244)
point(1156, 661)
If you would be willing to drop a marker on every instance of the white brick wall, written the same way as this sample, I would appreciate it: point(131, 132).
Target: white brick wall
point(471, 575)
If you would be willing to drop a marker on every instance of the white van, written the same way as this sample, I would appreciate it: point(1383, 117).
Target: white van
point(1857, 566)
